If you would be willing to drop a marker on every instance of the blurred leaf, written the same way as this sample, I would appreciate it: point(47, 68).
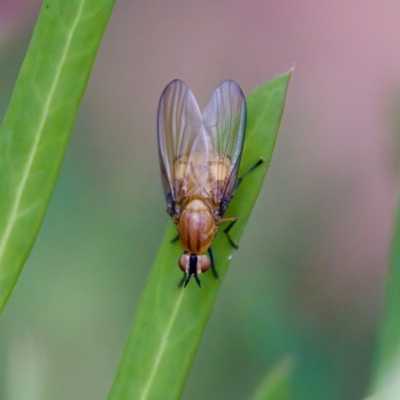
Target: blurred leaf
point(170, 321)
point(391, 392)
point(276, 385)
point(387, 362)
point(39, 120)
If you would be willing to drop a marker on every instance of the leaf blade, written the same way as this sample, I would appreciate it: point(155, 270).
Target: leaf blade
point(170, 321)
point(36, 129)
point(276, 383)
point(387, 358)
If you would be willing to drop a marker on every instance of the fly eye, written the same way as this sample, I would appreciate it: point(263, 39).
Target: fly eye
point(204, 264)
point(184, 263)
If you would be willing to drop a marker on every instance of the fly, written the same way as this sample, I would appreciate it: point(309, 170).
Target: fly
point(199, 157)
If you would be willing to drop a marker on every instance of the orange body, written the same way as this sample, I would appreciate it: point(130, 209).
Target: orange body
point(197, 227)
point(199, 157)
point(199, 182)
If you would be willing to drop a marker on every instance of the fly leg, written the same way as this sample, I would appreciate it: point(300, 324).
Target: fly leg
point(228, 228)
point(174, 239)
point(234, 219)
point(240, 179)
point(212, 262)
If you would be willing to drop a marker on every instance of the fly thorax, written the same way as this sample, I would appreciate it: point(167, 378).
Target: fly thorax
point(196, 227)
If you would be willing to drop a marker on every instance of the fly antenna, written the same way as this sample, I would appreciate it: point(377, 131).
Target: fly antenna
point(197, 280)
point(187, 280)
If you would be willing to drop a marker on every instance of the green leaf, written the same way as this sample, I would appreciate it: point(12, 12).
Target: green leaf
point(387, 361)
point(171, 320)
point(276, 385)
point(390, 392)
point(39, 120)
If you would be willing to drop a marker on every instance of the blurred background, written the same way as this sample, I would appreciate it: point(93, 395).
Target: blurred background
point(308, 279)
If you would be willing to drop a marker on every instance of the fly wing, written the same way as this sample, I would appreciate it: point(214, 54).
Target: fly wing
point(224, 119)
point(179, 122)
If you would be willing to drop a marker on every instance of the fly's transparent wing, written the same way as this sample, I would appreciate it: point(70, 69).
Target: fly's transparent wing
point(224, 119)
point(179, 122)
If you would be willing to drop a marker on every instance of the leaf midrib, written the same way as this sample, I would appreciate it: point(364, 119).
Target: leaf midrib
point(163, 346)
